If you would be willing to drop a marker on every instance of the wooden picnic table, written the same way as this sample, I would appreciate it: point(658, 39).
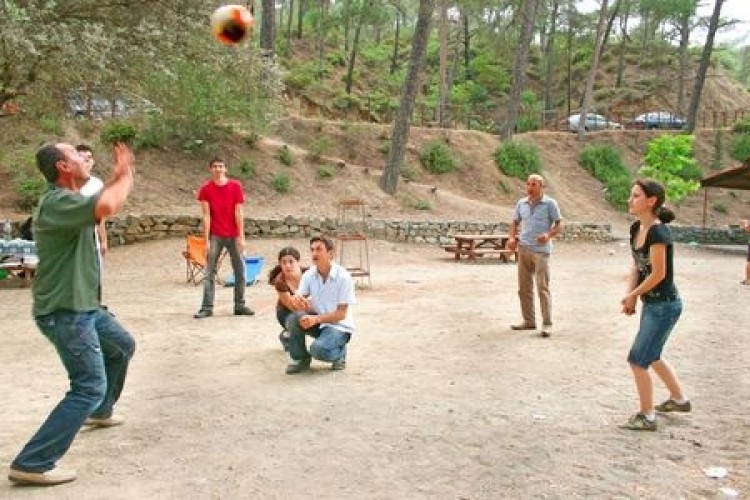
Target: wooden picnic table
point(478, 245)
point(16, 268)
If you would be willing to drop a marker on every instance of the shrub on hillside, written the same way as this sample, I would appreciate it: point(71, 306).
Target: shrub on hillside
point(605, 164)
point(118, 131)
point(281, 183)
point(742, 127)
point(740, 148)
point(437, 157)
point(518, 160)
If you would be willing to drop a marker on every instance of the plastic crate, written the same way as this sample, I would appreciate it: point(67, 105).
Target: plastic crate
point(253, 266)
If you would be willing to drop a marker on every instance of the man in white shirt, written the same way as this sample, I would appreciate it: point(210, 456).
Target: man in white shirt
point(325, 293)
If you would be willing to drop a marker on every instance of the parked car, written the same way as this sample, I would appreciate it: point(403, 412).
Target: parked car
point(100, 104)
point(658, 119)
point(593, 122)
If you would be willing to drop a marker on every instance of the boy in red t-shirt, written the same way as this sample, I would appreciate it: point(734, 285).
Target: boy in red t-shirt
point(221, 200)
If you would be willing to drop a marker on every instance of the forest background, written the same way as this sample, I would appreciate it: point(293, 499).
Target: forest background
point(425, 98)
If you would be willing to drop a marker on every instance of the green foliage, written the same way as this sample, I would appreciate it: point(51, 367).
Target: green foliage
point(489, 73)
point(304, 75)
point(118, 131)
point(669, 159)
point(281, 183)
point(325, 172)
point(375, 53)
point(468, 92)
point(246, 169)
point(285, 156)
point(385, 147)
point(741, 127)
point(517, 159)
point(319, 147)
point(336, 59)
point(29, 187)
point(718, 150)
point(420, 204)
point(605, 164)
point(437, 157)
point(51, 125)
point(346, 101)
point(740, 148)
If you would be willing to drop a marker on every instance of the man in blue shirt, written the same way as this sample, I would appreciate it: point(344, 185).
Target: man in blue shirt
point(539, 219)
point(325, 293)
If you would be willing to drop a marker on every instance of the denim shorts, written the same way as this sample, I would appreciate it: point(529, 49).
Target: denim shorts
point(657, 321)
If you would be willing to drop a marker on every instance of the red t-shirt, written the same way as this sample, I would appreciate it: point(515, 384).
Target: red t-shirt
point(222, 201)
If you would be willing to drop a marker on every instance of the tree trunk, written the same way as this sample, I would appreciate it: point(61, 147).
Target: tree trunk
point(443, 70)
point(589, 90)
point(519, 67)
point(267, 28)
point(402, 122)
point(467, 45)
point(289, 20)
point(623, 44)
point(300, 16)
point(700, 78)
point(683, 62)
point(355, 48)
point(396, 39)
point(549, 55)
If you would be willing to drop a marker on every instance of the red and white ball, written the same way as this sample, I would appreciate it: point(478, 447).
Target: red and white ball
point(231, 23)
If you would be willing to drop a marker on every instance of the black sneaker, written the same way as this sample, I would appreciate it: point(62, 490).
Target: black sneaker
point(639, 422)
point(203, 313)
point(670, 405)
point(298, 366)
point(243, 311)
point(338, 365)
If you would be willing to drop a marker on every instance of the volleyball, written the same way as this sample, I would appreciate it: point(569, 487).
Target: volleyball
point(231, 23)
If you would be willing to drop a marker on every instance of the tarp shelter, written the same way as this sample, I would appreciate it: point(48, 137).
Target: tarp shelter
point(729, 178)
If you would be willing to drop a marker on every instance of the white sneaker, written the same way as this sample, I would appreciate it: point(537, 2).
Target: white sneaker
point(546, 331)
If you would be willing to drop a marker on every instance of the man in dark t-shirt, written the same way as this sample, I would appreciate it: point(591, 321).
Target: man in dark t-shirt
point(93, 347)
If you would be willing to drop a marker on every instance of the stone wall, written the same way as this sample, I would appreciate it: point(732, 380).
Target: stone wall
point(132, 229)
point(124, 230)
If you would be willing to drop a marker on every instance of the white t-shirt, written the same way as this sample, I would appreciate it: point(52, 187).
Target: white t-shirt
point(327, 295)
point(92, 186)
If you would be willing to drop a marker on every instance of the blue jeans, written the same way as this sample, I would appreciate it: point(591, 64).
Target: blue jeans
point(657, 321)
point(95, 351)
point(329, 344)
point(238, 267)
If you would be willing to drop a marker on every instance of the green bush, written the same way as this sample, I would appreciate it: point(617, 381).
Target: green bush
point(319, 147)
point(51, 125)
point(742, 127)
point(252, 140)
point(325, 172)
point(29, 187)
point(605, 164)
point(281, 183)
point(740, 147)
point(518, 160)
point(336, 59)
point(246, 169)
point(719, 207)
point(437, 157)
point(118, 131)
point(408, 172)
point(420, 204)
point(285, 156)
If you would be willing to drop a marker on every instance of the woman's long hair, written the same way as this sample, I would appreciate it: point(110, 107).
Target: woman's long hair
point(276, 270)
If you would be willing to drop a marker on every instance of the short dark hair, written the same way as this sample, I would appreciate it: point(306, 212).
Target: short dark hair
point(328, 242)
point(84, 147)
point(216, 159)
point(47, 157)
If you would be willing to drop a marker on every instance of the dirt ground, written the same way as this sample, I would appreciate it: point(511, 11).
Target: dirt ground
point(440, 398)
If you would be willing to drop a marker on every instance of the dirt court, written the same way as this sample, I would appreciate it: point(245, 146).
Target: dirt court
point(440, 398)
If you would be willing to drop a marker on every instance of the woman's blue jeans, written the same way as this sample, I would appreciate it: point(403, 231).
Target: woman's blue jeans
point(95, 351)
point(657, 321)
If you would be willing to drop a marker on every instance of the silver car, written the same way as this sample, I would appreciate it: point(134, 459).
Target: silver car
point(593, 122)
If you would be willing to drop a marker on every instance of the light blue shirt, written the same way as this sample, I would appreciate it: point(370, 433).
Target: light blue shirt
point(326, 296)
point(535, 219)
